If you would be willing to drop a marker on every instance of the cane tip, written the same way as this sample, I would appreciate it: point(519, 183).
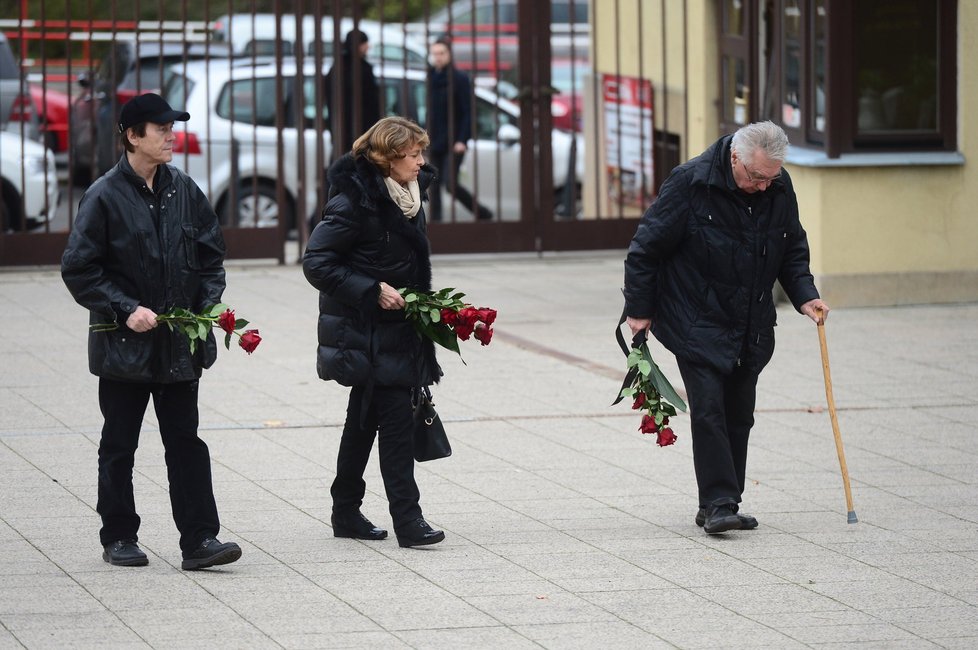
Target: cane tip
point(852, 517)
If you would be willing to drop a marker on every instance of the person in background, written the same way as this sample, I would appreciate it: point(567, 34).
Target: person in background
point(354, 104)
point(450, 128)
point(371, 241)
point(144, 242)
point(700, 274)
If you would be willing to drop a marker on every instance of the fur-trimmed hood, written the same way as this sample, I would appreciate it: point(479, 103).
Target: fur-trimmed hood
point(363, 183)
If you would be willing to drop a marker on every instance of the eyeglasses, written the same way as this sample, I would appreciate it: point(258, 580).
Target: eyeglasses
point(756, 179)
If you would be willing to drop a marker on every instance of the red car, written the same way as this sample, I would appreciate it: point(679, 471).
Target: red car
point(567, 107)
point(53, 107)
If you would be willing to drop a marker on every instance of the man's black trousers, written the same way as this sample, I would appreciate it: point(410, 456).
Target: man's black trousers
point(188, 463)
point(721, 409)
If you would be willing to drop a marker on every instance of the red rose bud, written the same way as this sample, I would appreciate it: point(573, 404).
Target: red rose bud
point(468, 316)
point(226, 321)
point(449, 316)
point(483, 334)
point(639, 401)
point(648, 424)
point(666, 437)
point(249, 341)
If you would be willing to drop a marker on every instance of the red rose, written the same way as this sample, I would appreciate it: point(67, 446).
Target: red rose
point(666, 437)
point(249, 341)
point(468, 316)
point(484, 334)
point(226, 321)
point(648, 424)
point(449, 316)
point(486, 315)
point(639, 401)
point(464, 330)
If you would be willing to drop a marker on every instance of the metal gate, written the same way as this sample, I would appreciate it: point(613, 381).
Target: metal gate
point(256, 80)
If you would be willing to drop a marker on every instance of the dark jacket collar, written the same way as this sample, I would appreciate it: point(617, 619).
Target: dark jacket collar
point(161, 180)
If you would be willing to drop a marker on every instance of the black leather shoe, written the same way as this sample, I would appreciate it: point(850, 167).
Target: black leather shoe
point(124, 552)
point(418, 533)
point(747, 522)
point(720, 519)
point(210, 553)
point(356, 526)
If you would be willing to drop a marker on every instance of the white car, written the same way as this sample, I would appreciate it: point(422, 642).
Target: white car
point(28, 183)
point(229, 146)
point(256, 34)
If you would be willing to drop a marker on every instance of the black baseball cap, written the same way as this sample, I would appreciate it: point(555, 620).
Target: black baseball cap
point(148, 108)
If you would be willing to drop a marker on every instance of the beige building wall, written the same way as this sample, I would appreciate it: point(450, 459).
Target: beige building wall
point(884, 229)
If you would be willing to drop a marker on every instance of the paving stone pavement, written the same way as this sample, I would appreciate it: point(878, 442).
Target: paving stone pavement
point(566, 527)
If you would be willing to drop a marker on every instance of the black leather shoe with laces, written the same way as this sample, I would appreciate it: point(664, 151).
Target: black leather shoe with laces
point(210, 553)
point(720, 519)
point(418, 533)
point(124, 552)
point(747, 522)
point(354, 525)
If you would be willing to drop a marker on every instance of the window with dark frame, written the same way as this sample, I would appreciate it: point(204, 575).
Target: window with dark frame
point(872, 75)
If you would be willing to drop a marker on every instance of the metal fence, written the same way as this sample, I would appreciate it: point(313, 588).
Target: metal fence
point(264, 127)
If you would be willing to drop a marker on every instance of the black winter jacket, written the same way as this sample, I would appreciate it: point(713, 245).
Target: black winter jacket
point(364, 239)
point(450, 112)
point(703, 263)
point(118, 258)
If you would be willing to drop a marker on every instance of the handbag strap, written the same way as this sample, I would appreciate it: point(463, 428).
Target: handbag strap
point(637, 342)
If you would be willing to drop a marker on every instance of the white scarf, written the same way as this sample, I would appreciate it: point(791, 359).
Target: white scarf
point(408, 199)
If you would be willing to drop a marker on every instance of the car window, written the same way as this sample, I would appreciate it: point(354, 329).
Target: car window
point(177, 90)
point(251, 101)
point(488, 119)
point(406, 98)
point(560, 12)
point(8, 65)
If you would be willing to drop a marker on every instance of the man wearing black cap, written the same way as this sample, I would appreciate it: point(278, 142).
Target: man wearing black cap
point(351, 93)
point(145, 241)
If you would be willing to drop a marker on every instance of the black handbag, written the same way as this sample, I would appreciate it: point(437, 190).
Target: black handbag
point(430, 440)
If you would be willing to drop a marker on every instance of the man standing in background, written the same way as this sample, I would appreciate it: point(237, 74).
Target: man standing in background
point(450, 128)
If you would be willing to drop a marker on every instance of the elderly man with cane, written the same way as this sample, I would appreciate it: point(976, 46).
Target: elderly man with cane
point(700, 274)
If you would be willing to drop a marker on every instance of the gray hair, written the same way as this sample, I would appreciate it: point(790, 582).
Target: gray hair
point(760, 136)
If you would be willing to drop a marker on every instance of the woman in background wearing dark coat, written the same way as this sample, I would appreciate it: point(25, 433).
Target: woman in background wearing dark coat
point(372, 240)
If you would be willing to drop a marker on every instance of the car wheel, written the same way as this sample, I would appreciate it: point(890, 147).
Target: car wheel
point(10, 218)
point(257, 207)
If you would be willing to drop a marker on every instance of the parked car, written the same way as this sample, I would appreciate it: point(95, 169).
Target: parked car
point(130, 68)
point(484, 32)
point(28, 183)
point(54, 108)
point(567, 107)
point(17, 111)
point(256, 34)
point(229, 146)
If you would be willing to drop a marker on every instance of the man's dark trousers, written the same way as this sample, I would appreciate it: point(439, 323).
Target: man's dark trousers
point(721, 409)
point(448, 164)
point(188, 463)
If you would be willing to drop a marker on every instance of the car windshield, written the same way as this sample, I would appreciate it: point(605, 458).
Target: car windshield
point(568, 76)
point(8, 66)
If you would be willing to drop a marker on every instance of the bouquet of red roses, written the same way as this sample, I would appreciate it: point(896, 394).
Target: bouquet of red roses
point(196, 326)
point(651, 391)
point(444, 318)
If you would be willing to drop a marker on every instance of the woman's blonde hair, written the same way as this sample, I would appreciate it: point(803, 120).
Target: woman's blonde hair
point(389, 139)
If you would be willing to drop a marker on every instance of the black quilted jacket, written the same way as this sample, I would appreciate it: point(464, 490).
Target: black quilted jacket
point(703, 263)
point(362, 240)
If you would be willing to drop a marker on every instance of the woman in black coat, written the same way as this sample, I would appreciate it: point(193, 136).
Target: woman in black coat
point(371, 242)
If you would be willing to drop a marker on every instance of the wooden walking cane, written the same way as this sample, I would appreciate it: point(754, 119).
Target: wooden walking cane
point(835, 421)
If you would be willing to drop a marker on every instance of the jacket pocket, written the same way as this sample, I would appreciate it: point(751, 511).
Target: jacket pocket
point(125, 355)
point(190, 236)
